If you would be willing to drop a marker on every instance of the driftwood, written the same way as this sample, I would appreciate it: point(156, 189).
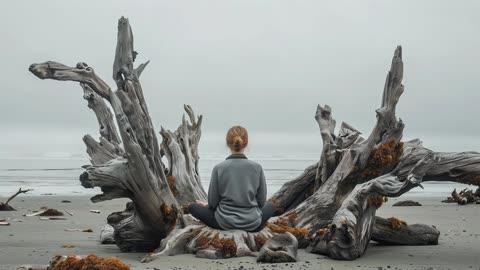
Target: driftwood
point(280, 248)
point(5, 206)
point(398, 232)
point(330, 208)
point(465, 196)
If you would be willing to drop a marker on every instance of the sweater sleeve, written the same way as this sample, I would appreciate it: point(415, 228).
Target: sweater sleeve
point(213, 195)
point(262, 190)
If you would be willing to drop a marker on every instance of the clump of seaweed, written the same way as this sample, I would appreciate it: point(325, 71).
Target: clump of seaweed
point(90, 262)
point(51, 212)
point(396, 223)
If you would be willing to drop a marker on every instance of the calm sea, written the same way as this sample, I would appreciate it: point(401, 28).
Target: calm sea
point(54, 165)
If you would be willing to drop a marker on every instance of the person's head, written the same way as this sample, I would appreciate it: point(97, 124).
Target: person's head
point(237, 139)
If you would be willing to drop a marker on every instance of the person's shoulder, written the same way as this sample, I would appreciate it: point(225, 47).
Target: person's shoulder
point(255, 165)
point(221, 165)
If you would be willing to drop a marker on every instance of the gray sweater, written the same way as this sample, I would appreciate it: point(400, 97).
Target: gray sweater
point(237, 192)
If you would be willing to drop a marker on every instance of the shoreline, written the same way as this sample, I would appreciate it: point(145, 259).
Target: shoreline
point(29, 240)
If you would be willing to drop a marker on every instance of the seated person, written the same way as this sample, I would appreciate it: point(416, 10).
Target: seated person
point(237, 192)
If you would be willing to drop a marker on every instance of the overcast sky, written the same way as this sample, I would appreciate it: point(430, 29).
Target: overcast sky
point(261, 64)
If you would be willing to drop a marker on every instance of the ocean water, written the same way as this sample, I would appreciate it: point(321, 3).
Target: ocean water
point(60, 176)
point(54, 166)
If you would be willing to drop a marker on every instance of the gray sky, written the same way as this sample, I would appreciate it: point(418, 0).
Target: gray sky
point(261, 64)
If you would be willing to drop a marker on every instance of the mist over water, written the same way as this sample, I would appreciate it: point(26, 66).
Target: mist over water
point(50, 162)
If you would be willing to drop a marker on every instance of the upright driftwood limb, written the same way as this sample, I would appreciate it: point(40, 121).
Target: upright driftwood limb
point(5, 206)
point(139, 174)
point(328, 158)
point(350, 169)
point(181, 149)
point(95, 89)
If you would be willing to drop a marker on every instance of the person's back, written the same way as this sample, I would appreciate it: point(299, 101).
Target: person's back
point(237, 192)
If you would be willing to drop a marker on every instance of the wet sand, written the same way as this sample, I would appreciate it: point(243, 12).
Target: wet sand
point(29, 240)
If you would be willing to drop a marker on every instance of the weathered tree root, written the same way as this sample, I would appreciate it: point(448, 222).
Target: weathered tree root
point(334, 201)
point(466, 196)
point(351, 229)
point(205, 242)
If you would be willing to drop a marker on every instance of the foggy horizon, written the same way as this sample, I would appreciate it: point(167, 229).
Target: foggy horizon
point(245, 63)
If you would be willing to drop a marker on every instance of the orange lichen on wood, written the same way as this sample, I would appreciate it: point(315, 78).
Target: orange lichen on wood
point(278, 210)
point(396, 223)
point(260, 240)
point(91, 262)
point(185, 208)
point(292, 217)
point(377, 200)
point(216, 242)
point(322, 232)
point(194, 234)
point(385, 156)
point(229, 247)
point(203, 241)
point(274, 228)
point(172, 185)
point(279, 227)
point(282, 222)
point(169, 213)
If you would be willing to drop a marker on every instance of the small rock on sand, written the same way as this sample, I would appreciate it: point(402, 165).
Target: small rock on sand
point(407, 203)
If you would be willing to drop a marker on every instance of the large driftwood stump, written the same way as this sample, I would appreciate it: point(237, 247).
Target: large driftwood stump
point(329, 208)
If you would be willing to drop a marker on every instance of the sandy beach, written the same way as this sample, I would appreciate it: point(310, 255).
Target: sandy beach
point(30, 240)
